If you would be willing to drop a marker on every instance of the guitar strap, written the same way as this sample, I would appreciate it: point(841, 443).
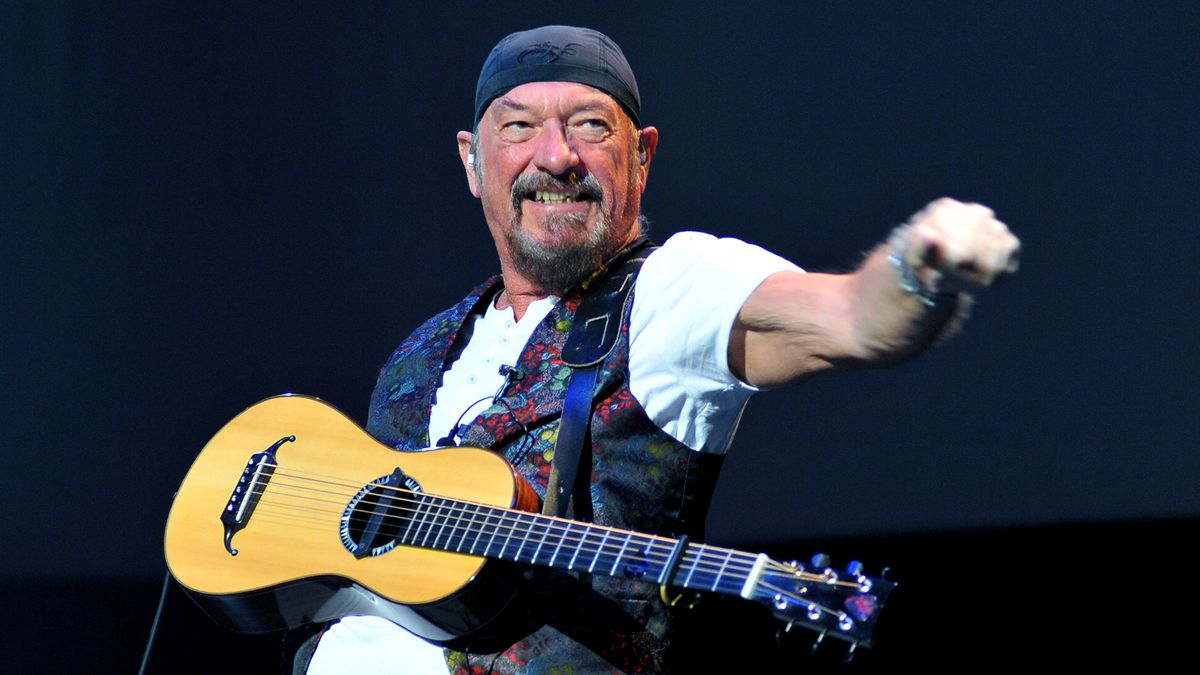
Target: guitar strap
point(593, 336)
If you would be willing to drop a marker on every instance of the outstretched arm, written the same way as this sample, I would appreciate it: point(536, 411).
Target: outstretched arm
point(893, 306)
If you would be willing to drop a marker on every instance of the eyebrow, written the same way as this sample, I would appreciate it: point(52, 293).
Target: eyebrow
point(511, 104)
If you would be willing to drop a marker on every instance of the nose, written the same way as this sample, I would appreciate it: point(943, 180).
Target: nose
point(554, 153)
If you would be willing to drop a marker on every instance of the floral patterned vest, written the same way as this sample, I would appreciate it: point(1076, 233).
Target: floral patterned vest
point(641, 479)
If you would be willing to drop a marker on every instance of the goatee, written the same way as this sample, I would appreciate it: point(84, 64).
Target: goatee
point(576, 252)
point(558, 267)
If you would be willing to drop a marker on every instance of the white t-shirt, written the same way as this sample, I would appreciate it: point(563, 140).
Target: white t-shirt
point(686, 298)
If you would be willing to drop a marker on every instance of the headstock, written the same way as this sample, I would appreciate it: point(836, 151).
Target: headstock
point(843, 604)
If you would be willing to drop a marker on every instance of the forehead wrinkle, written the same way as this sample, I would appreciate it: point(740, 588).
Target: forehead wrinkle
point(588, 100)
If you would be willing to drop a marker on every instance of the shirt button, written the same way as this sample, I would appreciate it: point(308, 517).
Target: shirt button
point(471, 379)
point(504, 339)
point(508, 323)
point(488, 360)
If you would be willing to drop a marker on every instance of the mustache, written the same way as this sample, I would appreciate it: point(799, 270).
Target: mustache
point(578, 188)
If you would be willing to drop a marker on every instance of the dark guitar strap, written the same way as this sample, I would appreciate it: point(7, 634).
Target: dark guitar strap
point(593, 336)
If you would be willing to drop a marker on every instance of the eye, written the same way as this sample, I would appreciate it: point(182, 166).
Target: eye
point(592, 129)
point(516, 130)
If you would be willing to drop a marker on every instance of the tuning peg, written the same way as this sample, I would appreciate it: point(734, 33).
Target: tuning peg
point(850, 653)
point(820, 560)
point(817, 642)
point(855, 568)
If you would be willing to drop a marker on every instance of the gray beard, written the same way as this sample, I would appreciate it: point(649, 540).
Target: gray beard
point(556, 269)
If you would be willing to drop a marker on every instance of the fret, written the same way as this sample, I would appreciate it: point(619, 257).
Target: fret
point(620, 553)
point(429, 530)
point(579, 546)
point(426, 507)
point(562, 536)
point(524, 537)
point(470, 528)
point(734, 580)
point(504, 529)
point(599, 550)
point(420, 508)
point(493, 526)
point(449, 526)
point(687, 580)
point(724, 564)
point(538, 550)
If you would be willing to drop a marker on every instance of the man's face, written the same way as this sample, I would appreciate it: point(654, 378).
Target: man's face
point(557, 168)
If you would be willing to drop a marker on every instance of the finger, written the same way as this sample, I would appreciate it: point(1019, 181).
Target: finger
point(1014, 258)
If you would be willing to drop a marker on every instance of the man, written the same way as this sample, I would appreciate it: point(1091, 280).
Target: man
point(559, 160)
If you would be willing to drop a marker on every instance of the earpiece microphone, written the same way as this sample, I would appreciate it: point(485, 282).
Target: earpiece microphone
point(642, 154)
point(471, 158)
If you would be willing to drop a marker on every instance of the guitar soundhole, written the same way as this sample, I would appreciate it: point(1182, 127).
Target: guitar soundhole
point(378, 515)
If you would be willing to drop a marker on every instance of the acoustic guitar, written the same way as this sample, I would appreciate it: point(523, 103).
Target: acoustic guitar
point(293, 514)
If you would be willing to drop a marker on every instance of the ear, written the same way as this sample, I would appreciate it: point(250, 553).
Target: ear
point(647, 145)
point(469, 162)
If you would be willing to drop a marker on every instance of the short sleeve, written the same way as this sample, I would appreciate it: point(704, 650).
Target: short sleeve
point(685, 301)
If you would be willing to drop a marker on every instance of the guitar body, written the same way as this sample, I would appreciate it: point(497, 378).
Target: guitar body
point(288, 562)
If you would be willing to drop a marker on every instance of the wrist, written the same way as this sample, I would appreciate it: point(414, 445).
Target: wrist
point(906, 275)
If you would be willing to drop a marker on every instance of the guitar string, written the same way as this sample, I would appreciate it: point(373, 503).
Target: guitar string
point(334, 480)
point(287, 518)
point(650, 544)
point(449, 508)
point(338, 481)
point(805, 601)
point(461, 508)
point(452, 531)
point(658, 544)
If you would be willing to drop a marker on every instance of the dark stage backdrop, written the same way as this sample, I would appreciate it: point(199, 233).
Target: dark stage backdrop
point(205, 205)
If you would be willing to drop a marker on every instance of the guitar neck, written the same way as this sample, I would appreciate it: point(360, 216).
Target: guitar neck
point(503, 534)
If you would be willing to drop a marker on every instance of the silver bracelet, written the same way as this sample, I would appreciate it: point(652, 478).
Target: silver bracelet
point(906, 275)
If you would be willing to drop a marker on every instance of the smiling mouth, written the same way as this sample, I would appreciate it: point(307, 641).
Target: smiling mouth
point(545, 197)
point(556, 191)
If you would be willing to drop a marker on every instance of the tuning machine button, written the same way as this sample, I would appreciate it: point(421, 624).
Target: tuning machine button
point(780, 602)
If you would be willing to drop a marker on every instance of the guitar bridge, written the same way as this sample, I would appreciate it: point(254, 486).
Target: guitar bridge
point(248, 490)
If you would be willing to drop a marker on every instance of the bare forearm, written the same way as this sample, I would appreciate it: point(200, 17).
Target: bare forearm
point(904, 295)
point(891, 324)
point(795, 325)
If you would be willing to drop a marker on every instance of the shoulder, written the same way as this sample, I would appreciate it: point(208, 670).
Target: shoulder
point(699, 268)
point(700, 253)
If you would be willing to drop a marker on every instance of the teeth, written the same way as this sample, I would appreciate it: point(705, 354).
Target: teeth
point(551, 197)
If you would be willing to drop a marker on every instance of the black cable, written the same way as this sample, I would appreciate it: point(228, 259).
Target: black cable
point(511, 374)
point(448, 440)
point(162, 601)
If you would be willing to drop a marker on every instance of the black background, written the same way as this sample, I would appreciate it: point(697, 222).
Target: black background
point(204, 205)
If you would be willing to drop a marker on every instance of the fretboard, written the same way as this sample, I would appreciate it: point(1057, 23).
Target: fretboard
point(535, 539)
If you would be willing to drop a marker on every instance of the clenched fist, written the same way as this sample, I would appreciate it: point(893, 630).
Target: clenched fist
point(950, 246)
